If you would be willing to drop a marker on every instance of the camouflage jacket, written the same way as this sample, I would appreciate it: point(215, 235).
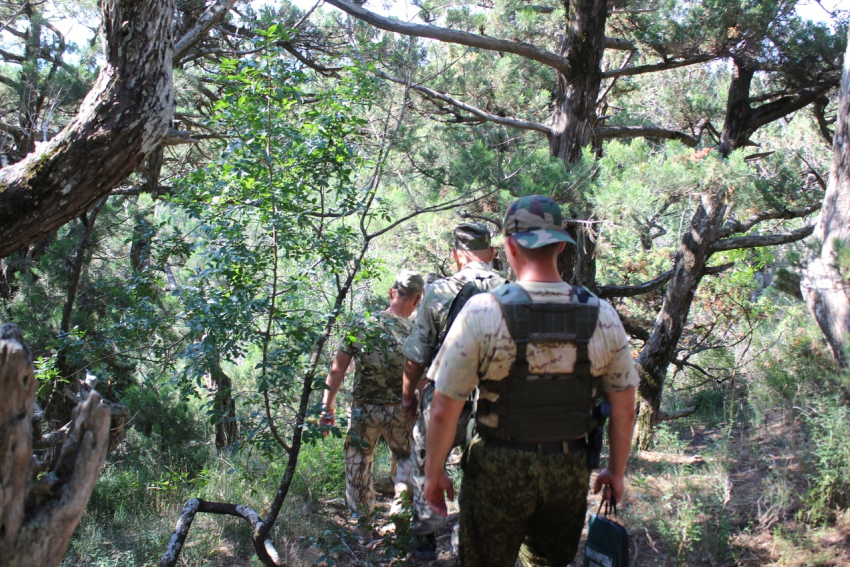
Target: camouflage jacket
point(434, 309)
point(375, 343)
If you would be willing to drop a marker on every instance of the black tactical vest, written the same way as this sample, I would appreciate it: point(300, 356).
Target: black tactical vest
point(543, 407)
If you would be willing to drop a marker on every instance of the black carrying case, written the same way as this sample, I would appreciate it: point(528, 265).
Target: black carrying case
point(607, 541)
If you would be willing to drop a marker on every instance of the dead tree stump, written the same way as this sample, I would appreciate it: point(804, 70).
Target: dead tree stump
point(38, 515)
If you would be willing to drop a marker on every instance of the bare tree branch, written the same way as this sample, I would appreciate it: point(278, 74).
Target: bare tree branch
point(477, 112)
point(634, 329)
point(214, 14)
point(491, 220)
point(187, 516)
point(774, 110)
point(678, 414)
point(15, 16)
point(607, 291)
point(757, 241)
point(454, 36)
point(640, 70)
point(605, 132)
point(619, 44)
point(733, 225)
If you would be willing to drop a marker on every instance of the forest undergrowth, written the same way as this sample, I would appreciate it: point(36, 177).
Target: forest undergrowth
point(757, 476)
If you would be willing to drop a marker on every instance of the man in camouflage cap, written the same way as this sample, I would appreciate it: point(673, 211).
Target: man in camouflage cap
point(472, 254)
point(374, 342)
point(538, 352)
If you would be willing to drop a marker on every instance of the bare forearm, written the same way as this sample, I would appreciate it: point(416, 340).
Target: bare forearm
point(442, 427)
point(335, 378)
point(412, 374)
point(620, 430)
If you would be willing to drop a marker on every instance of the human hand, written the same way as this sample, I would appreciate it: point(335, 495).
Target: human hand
point(327, 419)
point(434, 489)
point(614, 485)
point(408, 407)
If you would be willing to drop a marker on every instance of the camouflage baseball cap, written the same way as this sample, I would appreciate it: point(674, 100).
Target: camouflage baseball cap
point(535, 221)
point(410, 280)
point(471, 236)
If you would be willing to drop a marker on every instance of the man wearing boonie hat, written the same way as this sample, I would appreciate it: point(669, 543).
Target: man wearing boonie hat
point(374, 342)
point(539, 352)
point(472, 254)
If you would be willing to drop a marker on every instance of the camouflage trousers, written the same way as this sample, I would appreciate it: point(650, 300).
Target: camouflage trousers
point(515, 502)
point(368, 423)
point(425, 520)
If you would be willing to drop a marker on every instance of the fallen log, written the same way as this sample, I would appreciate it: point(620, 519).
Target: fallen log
point(678, 414)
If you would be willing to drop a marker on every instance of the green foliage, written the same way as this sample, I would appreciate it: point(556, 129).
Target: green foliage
point(667, 438)
point(46, 373)
point(827, 423)
point(321, 469)
point(262, 229)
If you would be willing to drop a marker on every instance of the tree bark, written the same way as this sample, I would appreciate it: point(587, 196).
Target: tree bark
point(224, 407)
point(38, 515)
point(120, 121)
point(826, 279)
point(577, 263)
point(574, 115)
point(688, 270)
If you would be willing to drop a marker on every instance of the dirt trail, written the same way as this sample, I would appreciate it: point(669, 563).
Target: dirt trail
point(760, 530)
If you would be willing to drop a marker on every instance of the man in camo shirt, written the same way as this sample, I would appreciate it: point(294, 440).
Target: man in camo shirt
point(374, 342)
point(472, 254)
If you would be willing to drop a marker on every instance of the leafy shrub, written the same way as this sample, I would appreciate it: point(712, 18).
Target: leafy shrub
point(321, 469)
point(827, 424)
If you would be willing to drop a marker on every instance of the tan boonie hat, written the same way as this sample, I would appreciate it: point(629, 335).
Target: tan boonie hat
point(410, 281)
point(471, 236)
point(535, 221)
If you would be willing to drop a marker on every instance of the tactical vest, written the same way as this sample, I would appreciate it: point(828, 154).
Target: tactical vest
point(541, 408)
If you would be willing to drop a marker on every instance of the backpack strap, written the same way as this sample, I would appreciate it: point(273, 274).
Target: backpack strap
point(476, 285)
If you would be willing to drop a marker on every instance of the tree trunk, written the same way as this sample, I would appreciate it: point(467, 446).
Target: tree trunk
point(577, 264)
point(59, 407)
point(38, 515)
point(224, 407)
point(688, 269)
point(30, 80)
point(826, 280)
point(574, 116)
point(120, 121)
point(736, 128)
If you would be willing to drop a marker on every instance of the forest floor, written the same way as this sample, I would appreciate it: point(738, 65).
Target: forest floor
point(710, 496)
point(696, 505)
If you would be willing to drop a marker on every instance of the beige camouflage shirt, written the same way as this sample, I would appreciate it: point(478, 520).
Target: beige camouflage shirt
point(479, 347)
point(375, 343)
point(434, 310)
